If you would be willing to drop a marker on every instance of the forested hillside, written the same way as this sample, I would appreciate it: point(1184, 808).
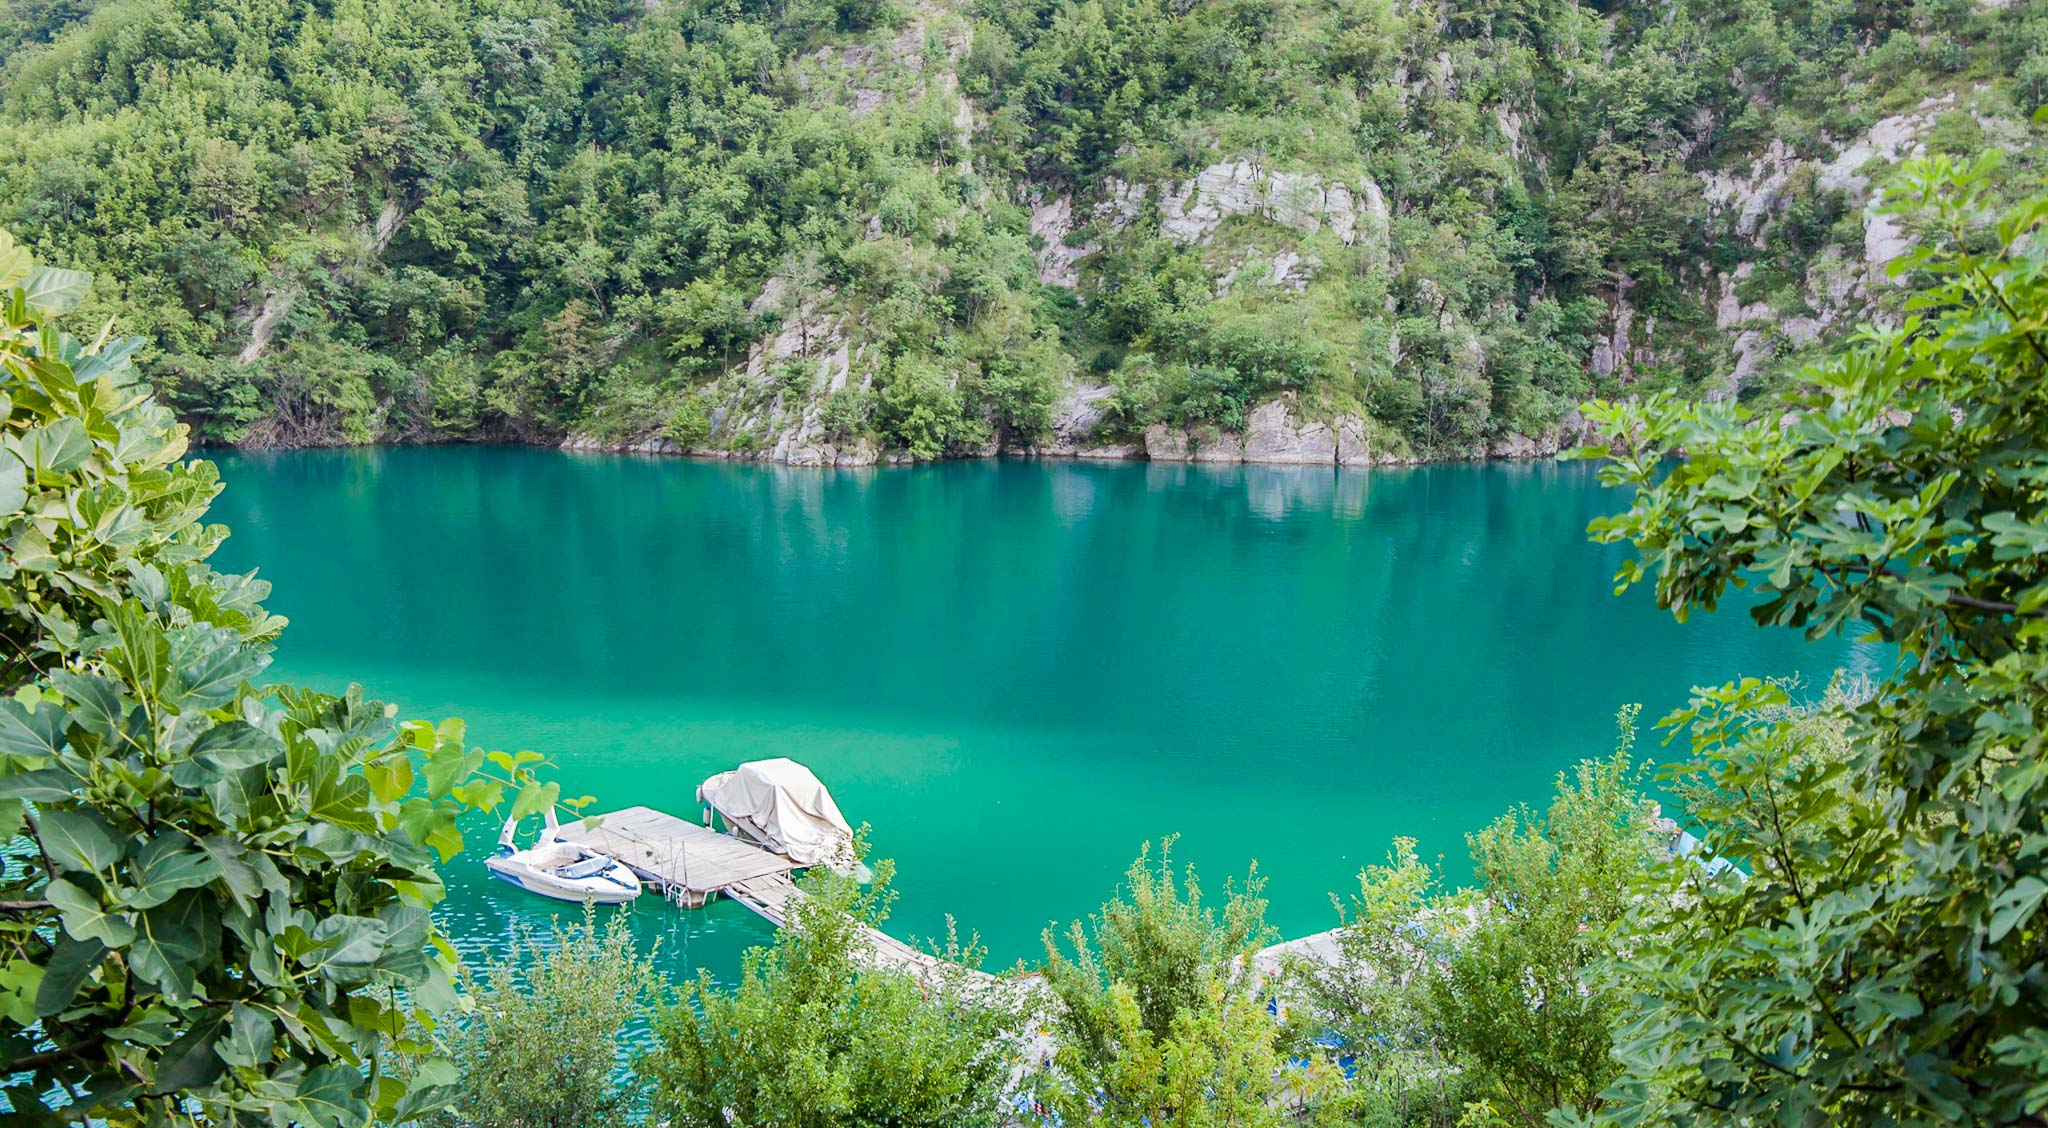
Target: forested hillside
point(849, 230)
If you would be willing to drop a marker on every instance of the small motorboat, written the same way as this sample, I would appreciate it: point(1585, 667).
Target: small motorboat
point(565, 871)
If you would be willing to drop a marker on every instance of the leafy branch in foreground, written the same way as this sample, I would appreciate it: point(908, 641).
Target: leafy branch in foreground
point(215, 897)
point(1888, 961)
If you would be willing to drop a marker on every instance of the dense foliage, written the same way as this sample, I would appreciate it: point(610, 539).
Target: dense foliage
point(1475, 1004)
point(813, 1035)
point(1886, 961)
point(1161, 1012)
point(718, 222)
point(215, 901)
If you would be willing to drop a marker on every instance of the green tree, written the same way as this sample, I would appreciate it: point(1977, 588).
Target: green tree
point(1883, 963)
point(1513, 1003)
point(813, 1035)
point(216, 897)
point(1477, 1002)
point(1161, 1013)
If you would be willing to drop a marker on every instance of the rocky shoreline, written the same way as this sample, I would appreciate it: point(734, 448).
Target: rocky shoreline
point(1277, 433)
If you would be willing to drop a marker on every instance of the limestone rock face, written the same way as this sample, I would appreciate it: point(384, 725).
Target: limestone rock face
point(1352, 446)
point(1190, 211)
point(1522, 446)
point(1110, 452)
point(1754, 197)
point(1059, 263)
point(1273, 434)
point(1076, 418)
point(1166, 444)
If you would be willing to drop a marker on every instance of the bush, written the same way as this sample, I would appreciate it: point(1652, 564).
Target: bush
point(541, 1048)
point(812, 1035)
point(919, 410)
point(1161, 1013)
point(688, 423)
point(1477, 1002)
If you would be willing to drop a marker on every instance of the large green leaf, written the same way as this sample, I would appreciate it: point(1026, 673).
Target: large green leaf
point(25, 733)
point(191, 1061)
point(346, 948)
point(85, 918)
point(95, 701)
point(215, 667)
point(79, 840)
point(55, 449)
point(13, 483)
point(328, 1097)
point(2015, 905)
point(234, 745)
point(45, 785)
point(143, 653)
point(251, 1036)
point(406, 944)
point(435, 1083)
point(165, 866)
point(32, 552)
point(15, 262)
point(232, 859)
point(70, 966)
point(172, 942)
point(52, 290)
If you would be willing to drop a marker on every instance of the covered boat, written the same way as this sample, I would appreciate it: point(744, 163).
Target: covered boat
point(778, 804)
point(566, 871)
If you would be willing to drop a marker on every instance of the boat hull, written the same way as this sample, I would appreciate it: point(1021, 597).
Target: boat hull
point(599, 890)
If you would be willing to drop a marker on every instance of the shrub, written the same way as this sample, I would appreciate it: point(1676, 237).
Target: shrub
point(1476, 1003)
point(811, 1035)
point(1161, 1013)
point(540, 1049)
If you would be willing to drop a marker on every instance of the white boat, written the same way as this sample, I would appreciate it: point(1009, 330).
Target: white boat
point(565, 871)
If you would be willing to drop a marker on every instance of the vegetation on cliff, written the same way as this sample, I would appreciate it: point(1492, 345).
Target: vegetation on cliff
point(823, 230)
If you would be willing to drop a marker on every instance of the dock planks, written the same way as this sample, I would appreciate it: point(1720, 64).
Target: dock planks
point(677, 853)
point(682, 855)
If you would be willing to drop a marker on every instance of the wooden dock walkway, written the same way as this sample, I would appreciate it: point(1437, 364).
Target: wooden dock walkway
point(690, 864)
point(771, 896)
point(685, 861)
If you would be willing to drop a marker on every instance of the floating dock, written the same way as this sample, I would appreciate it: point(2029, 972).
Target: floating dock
point(686, 862)
point(689, 864)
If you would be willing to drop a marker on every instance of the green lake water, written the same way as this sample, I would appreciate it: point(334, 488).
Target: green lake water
point(1016, 672)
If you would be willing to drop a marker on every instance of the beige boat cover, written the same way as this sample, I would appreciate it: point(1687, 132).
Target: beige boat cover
point(780, 804)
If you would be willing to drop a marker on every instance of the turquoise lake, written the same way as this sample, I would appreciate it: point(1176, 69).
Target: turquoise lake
point(1015, 672)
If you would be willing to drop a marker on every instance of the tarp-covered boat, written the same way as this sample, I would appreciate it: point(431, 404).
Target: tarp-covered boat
point(778, 804)
point(566, 871)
